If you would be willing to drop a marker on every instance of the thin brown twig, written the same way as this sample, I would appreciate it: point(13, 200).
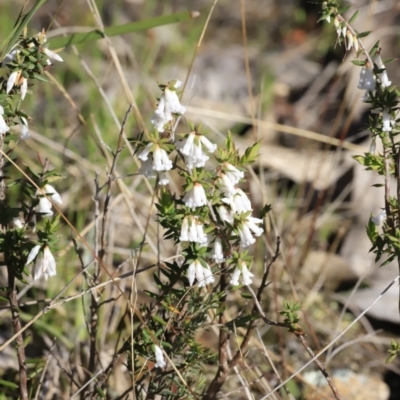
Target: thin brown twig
point(20, 347)
point(320, 367)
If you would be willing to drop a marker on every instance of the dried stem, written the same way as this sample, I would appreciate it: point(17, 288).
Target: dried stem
point(320, 367)
point(12, 297)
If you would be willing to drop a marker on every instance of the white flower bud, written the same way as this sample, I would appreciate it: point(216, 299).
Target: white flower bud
point(160, 363)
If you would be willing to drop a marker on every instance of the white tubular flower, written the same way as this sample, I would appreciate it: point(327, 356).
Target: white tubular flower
point(196, 197)
point(168, 104)
point(246, 275)
point(383, 77)
point(51, 54)
point(201, 236)
point(191, 273)
point(378, 219)
point(24, 88)
point(225, 214)
point(12, 79)
point(3, 126)
point(233, 173)
point(160, 363)
point(32, 254)
point(195, 156)
point(52, 193)
point(386, 120)
point(45, 265)
point(44, 207)
point(163, 179)
point(225, 185)
point(172, 100)
point(146, 168)
point(217, 253)
point(245, 229)
point(144, 154)
point(350, 40)
point(16, 78)
point(200, 274)
point(192, 230)
point(161, 162)
point(246, 238)
point(367, 79)
point(336, 22)
point(238, 202)
point(24, 129)
point(235, 277)
point(203, 275)
point(208, 275)
point(184, 237)
point(344, 30)
point(161, 115)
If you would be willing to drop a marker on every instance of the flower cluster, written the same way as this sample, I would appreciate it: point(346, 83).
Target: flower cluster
point(26, 61)
point(213, 217)
point(45, 264)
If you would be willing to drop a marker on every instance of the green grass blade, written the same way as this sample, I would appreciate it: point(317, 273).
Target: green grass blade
point(19, 27)
point(79, 38)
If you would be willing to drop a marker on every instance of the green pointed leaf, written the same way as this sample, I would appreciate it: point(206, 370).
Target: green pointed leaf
point(79, 38)
point(358, 62)
point(344, 9)
point(363, 34)
point(11, 39)
point(353, 17)
point(8, 384)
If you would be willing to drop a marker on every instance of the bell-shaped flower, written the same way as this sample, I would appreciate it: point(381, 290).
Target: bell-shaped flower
point(45, 264)
point(225, 214)
point(246, 275)
point(350, 40)
point(203, 275)
point(168, 105)
point(383, 77)
point(232, 173)
point(225, 185)
point(387, 121)
point(192, 230)
point(146, 168)
point(4, 128)
point(161, 161)
point(192, 148)
point(16, 78)
point(52, 54)
point(217, 253)
point(239, 202)
point(246, 228)
point(45, 207)
point(195, 197)
point(160, 363)
point(208, 275)
point(24, 129)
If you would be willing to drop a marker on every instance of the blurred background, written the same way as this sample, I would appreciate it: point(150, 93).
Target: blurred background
point(292, 88)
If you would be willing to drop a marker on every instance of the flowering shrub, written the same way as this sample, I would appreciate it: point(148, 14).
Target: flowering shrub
point(210, 219)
